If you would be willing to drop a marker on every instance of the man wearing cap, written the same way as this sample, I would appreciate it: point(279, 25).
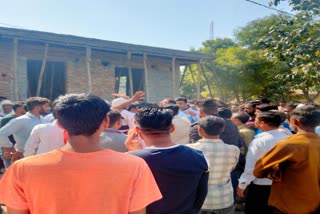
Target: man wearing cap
point(6, 106)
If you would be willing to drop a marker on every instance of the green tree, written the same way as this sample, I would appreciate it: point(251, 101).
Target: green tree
point(296, 41)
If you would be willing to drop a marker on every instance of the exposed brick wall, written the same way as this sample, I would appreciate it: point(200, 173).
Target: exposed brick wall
point(103, 80)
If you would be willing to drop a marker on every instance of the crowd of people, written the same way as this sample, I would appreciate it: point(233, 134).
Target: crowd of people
point(82, 154)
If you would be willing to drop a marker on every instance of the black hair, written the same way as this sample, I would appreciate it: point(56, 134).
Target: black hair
point(154, 119)
point(282, 115)
point(144, 105)
point(308, 116)
point(208, 106)
point(114, 117)
point(81, 114)
point(172, 107)
point(254, 103)
point(242, 116)
point(271, 118)
point(183, 99)
point(212, 125)
point(224, 113)
point(266, 107)
point(36, 101)
point(17, 105)
point(133, 105)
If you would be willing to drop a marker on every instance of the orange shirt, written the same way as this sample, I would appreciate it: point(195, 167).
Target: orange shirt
point(299, 159)
point(68, 182)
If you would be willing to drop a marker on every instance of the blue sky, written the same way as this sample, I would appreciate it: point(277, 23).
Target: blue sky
point(177, 24)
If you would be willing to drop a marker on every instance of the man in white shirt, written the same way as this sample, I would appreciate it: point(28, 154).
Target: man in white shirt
point(259, 190)
point(44, 138)
point(22, 126)
point(180, 135)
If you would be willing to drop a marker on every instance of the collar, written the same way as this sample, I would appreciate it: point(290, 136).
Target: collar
point(210, 141)
point(29, 114)
point(271, 132)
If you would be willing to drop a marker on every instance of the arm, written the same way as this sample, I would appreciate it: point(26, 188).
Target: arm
point(10, 128)
point(271, 162)
point(14, 211)
point(139, 95)
point(142, 211)
point(32, 143)
point(202, 191)
point(247, 176)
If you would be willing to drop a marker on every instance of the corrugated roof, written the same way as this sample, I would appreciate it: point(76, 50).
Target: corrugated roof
point(98, 43)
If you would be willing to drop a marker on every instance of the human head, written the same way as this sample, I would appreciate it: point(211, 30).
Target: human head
point(6, 106)
point(174, 108)
point(240, 118)
point(210, 126)
point(267, 121)
point(207, 107)
point(38, 105)
point(282, 103)
point(250, 107)
point(265, 107)
point(182, 102)
point(288, 109)
point(154, 124)
point(114, 119)
point(166, 101)
point(82, 114)
point(305, 118)
point(119, 101)
point(225, 113)
point(19, 108)
point(235, 108)
point(133, 107)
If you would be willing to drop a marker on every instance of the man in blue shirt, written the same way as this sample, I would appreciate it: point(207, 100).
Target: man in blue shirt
point(185, 111)
point(180, 172)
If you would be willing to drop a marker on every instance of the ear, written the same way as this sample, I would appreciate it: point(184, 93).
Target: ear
point(200, 112)
point(105, 122)
point(172, 128)
point(200, 131)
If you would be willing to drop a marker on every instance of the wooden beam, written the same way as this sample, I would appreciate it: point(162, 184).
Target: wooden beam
point(130, 74)
point(173, 69)
point(146, 77)
point(43, 68)
point(15, 68)
point(198, 83)
point(88, 63)
point(207, 80)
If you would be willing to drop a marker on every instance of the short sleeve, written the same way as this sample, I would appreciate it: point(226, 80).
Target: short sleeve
point(145, 190)
point(11, 188)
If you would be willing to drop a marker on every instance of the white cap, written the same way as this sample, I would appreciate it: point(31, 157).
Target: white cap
point(6, 102)
point(118, 101)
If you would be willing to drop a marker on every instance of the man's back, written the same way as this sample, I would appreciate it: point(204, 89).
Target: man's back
point(299, 189)
point(70, 182)
point(181, 174)
point(44, 138)
point(117, 142)
point(223, 158)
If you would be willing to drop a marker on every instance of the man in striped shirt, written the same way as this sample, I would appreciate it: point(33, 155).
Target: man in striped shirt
point(223, 158)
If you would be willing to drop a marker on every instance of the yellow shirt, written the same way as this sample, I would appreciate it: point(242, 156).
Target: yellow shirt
point(299, 160)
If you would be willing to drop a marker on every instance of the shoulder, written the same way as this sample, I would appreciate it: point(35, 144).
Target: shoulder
point(194, 125)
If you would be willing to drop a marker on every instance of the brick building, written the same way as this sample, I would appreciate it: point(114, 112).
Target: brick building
point(34, 63)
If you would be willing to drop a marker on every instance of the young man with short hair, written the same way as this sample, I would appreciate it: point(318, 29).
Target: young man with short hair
point(185, 111)
point(112, 132)
point(181, 172)
point(240, 119)
point(223, 158)
point(21, 127)
point(259, 190)
point(294, 165)
point(80, 177)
